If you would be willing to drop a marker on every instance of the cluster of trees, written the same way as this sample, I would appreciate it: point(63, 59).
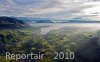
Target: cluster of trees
point(85, 45)
point(16, 41)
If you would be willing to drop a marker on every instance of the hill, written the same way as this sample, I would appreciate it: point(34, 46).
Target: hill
point(9, 22)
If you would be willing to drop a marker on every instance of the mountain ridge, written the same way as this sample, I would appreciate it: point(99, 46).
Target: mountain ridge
point(10, 22)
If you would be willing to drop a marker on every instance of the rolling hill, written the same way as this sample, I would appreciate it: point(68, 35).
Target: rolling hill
point(10, 22)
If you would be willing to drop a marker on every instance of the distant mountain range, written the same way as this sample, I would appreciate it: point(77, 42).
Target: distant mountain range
point(35, 20)
point(80, 21)
point(47, 20)
point(23, 21)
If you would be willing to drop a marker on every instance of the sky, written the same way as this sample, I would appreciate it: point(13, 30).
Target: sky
point(53, 9)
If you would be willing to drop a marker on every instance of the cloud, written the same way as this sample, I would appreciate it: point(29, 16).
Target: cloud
point(58, 9)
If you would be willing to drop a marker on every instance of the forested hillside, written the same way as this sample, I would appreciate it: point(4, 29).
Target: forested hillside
point(84, 43)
